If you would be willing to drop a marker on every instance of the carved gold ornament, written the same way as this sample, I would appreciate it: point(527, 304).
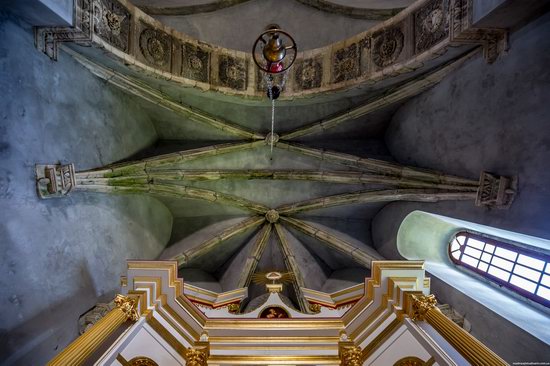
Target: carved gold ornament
point(351, 356)
point(315, 308)
point(142, 361)
point(195, 357)
point(421, 305)
point(128, 306)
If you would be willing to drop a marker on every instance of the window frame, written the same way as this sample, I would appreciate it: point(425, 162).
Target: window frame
point(518, 248)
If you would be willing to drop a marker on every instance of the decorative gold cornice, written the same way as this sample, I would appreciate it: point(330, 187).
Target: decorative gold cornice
point(197, 356)
point(350, 354)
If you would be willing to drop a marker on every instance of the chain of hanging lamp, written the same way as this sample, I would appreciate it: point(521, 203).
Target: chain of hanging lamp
point(275, 61)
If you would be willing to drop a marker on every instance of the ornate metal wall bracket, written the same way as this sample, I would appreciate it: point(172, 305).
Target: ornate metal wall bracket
point(496, 191)
point(54, 180)
point(461, 31)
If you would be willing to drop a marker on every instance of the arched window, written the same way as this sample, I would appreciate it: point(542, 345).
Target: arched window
point(515, 267)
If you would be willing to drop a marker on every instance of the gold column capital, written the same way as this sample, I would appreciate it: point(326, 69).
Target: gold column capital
point(350, 354)
point(421, 304)
point(196, 356)
point(128, 305)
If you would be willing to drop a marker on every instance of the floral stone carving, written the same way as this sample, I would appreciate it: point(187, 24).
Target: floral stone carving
point(195, 63)
point(387, 46)
point(155, 46)
point(112, 23)
point(232, 72)
point(431, 24)
point(346, 63)
point(309, 73)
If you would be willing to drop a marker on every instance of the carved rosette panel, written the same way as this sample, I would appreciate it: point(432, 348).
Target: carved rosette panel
point(387, 45)
point(195, 63)
point(232, 72)
point(156, 47)
point(112, 23)
point(308, 73)
point(346, 63)
point(431, 24)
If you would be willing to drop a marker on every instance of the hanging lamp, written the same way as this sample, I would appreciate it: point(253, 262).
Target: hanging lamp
point(274, 52)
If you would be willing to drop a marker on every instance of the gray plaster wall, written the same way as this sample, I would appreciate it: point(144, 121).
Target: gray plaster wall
point(62, 256)
point(238, 26)
point(483, 117)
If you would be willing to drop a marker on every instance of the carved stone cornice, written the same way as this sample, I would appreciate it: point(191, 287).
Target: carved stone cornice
point(496, 191)
point(494, 41)
point(47, 38)
point(388, 49)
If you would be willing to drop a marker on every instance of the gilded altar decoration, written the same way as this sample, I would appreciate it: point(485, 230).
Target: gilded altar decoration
point(142, 361)
point(196, 357)
point(351, 356)
point(315, 308)
point(421, 305)
point(128, 305)
point(387, 46)
point(410, 361)
point(233, 308)
point(274, 312)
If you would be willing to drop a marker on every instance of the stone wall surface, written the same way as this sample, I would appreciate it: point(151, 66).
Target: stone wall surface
point(62, 256)
point(483, 117)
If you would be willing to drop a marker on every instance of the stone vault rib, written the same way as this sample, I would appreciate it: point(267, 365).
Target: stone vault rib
point(340, 177)
point(211, 243)
point(292, 266)
point(157, 163)
point(140, 89)
point(254, 257)
point(180, 191)
point(378, 166)
point(417, 195)
point(400, 93)
point(334, 242)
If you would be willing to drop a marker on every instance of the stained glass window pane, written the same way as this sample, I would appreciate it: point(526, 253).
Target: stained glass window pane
point(531, 262)
point(473, 252)
point(483, 266)
point(544, 292)
point(502, 263)
point(528, 273)
point(486, 257)
point(499, 273)
point(476, 243)
point(505, 253)
point(523, 283)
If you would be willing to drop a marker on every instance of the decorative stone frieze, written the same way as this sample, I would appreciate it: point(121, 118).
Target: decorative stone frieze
point(387, 46)
point(308, 73)
point(232, 72)
point(112, 23)
point(195, 62)
point(155, 47)
point(496, 191)
point(346, 63)
point(399, 45)
point(431, 24)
